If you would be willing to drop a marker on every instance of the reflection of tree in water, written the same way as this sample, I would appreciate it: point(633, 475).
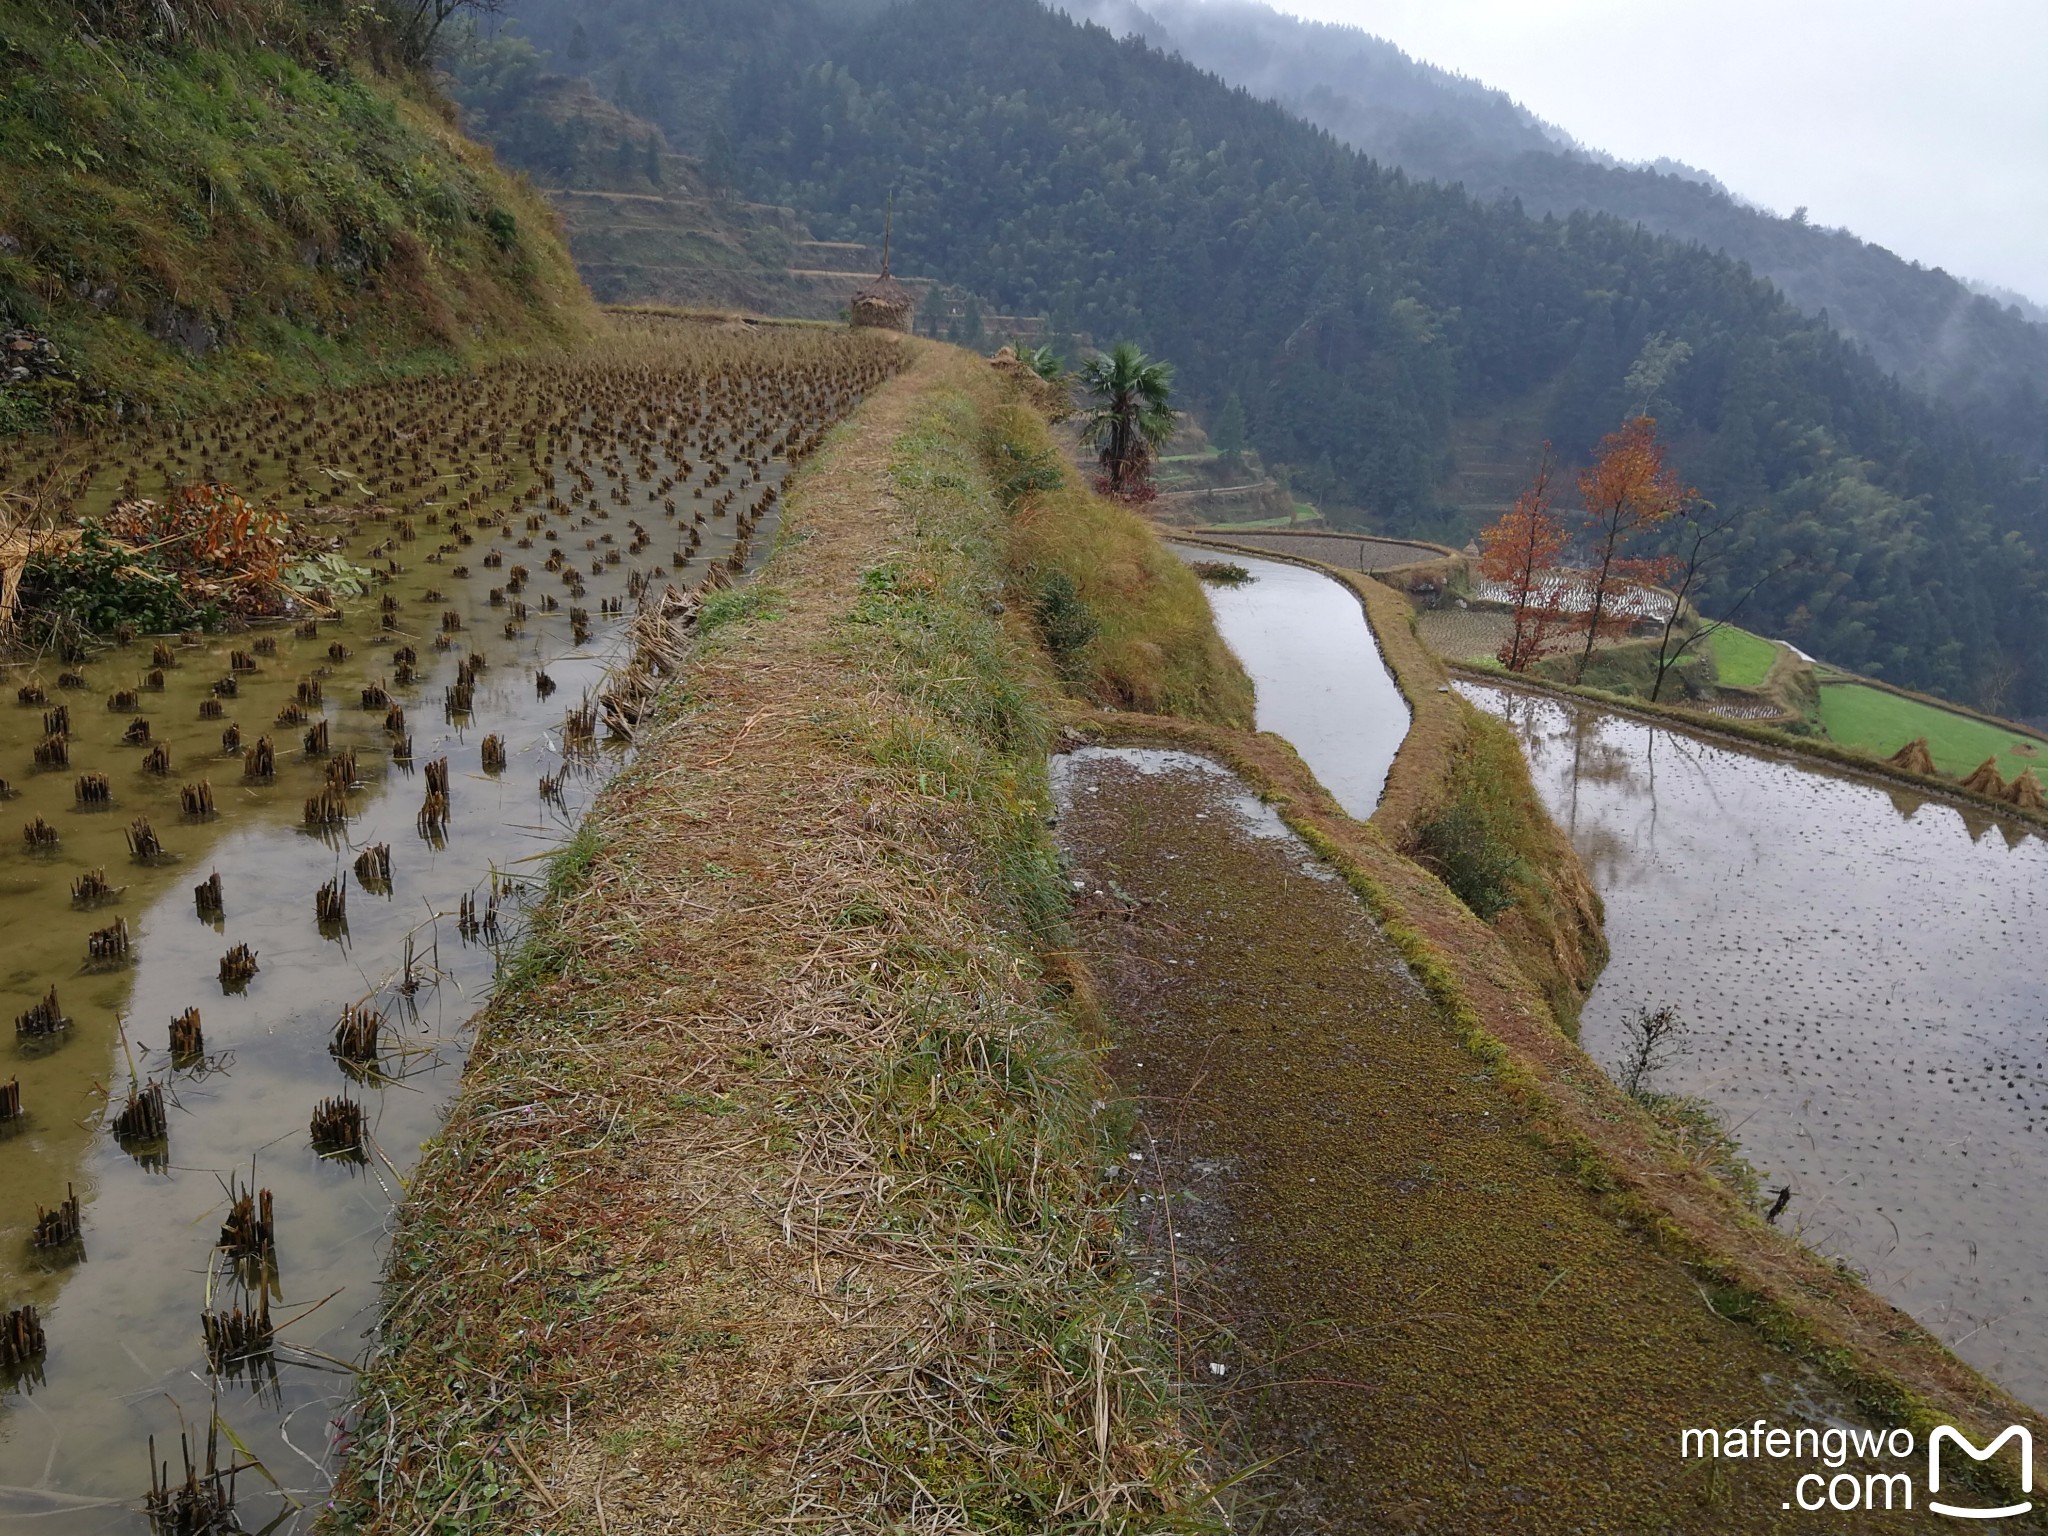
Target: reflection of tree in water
point(1576, 748)
point(1598, 757)
point(1607, 855)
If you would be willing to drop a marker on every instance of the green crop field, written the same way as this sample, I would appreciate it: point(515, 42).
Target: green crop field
point(1876, 721)
point(1742, 659)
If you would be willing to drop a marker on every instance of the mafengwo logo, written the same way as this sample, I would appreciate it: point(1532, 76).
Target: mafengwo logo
point(1947, 1436)
point(1847, 1480)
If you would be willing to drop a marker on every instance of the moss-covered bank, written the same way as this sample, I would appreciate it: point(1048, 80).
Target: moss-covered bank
point(1421, 1320)
point(200, 204)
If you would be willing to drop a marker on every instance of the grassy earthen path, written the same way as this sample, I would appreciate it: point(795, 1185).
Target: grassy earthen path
point(775, 1195)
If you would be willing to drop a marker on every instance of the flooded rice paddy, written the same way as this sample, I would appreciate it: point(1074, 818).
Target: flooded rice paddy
point(1868, 993)
point(515, 521)
point(1319, 676)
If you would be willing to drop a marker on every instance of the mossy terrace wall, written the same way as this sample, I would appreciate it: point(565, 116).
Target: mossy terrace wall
point(245, 209)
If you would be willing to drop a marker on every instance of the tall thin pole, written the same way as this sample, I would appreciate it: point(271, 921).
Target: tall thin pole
point(888, 227)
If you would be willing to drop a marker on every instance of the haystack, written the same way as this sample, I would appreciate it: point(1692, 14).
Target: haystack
point(884, 304)
point(1914, 757)
point(1050, 399)
point(1987, 780)
point(15, 547)
point(2025, 792)
point(18, 546)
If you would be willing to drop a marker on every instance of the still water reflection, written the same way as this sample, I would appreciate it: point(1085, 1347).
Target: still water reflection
point(1320, 679)
point(1868, 989)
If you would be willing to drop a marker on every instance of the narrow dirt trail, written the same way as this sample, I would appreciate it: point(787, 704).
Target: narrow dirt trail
point(1419, 1316)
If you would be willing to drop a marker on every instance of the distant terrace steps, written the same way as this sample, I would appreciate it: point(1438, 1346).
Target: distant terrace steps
point(1346, 551)
point(695, 251)
point(1495, 456)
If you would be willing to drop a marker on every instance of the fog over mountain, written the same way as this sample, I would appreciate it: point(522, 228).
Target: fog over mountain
point(1982, 350)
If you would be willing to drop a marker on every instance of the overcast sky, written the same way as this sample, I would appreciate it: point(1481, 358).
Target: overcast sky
point(1919, 124)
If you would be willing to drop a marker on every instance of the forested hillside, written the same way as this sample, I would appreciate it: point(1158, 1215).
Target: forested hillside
point(201, 200)
point(1353, 310)
point(1988, 360)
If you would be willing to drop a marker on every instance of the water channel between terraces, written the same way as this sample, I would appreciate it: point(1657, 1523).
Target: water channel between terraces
point(1321, 682)
point(126, 1359)
point(1868, 993)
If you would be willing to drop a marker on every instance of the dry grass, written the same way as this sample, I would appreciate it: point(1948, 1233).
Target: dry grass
point(1151, 641)
point(779, 1191)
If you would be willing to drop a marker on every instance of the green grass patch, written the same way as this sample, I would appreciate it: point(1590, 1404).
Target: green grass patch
point(1122, 615)
point(735, 605)
point(198, 222)
point(1743, 660)
point(1876, 721)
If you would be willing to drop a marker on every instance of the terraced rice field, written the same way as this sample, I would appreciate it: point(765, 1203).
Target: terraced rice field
point(1864, 982)
point(1474, 634)
point(231, 1080)
point(1464, 634)
point(1742, 660)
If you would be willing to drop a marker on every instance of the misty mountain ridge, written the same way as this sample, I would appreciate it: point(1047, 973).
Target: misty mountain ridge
point(1405, 86)
point(1978, 348)
point(1399, 348)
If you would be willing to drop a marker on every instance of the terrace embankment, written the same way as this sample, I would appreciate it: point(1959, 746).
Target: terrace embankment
point(1458, 798)
point(781, 1184)
point(792, 1184)
point(204, 204)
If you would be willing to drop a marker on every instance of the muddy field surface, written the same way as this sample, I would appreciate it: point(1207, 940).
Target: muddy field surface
point(376, 791)
point(1385, 1289)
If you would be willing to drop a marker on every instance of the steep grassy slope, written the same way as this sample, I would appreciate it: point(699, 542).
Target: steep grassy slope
point(211, 216)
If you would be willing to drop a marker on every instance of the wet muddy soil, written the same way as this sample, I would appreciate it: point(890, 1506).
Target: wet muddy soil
point(1380, 1282)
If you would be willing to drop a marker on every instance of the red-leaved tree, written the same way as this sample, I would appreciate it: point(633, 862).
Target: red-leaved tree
point(1628, 491)
point(1521, 552)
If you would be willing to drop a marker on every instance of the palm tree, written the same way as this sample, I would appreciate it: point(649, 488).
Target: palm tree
point(1130, 418)
point(1043, 361)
